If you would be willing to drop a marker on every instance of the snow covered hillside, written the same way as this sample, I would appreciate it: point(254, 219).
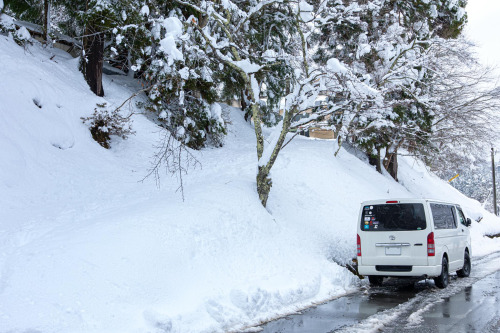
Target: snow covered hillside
point(85, 246)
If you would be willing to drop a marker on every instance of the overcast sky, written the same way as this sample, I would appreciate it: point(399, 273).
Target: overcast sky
point(484, 29)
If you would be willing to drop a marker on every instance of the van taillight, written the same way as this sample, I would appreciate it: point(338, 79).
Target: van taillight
point(359, 246)
point(431, 246)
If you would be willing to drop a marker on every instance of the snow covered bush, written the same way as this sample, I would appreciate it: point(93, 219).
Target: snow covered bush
point(104, 123)
point(21, 36)
point(6, 23)
point(7, 27)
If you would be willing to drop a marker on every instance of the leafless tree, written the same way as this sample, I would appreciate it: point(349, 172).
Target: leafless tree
point(467, 96)
point(173, 157)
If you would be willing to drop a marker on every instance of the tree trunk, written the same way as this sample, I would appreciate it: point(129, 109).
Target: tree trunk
point(379, 162)
point(258, 129)
point(338, 137)
point(391, 164)
point(243, 100)
point(264, 184)
point(46, 20)
point(374, 159)
point(93, 45)
point(339, 145)
point(130, 72)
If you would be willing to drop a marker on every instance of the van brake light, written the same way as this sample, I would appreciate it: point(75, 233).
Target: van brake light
point(359, 246)
point(431, 246)
point(392, 202)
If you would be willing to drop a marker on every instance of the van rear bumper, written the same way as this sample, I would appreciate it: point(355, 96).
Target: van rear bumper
point(416, 271)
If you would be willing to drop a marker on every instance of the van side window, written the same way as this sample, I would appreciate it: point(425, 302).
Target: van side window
point(454, 213)
point(443, 216)
point(461, 217)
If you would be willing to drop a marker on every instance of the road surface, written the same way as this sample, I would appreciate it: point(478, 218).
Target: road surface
point(466, 305)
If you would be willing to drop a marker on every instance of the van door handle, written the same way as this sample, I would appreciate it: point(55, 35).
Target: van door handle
point(418, 244)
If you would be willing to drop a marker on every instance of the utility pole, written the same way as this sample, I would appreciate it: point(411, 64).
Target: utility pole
point(494, 181)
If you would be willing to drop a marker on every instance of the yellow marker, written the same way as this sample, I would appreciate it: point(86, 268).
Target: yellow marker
point(453, 178)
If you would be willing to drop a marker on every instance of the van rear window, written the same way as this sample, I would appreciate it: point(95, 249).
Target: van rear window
point(393, 217)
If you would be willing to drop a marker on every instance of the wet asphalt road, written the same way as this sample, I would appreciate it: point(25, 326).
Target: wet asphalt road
point(474, 309)
point(467, 305)
point(345, 311)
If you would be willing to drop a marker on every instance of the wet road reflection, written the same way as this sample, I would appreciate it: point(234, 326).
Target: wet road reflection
point(347, 310)
point(472, 308)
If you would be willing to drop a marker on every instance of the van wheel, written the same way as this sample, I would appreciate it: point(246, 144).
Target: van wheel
point(465, 271)
point(375, 280)
point(442, 280)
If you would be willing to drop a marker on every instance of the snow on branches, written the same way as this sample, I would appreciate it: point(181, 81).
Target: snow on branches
point(371, 71)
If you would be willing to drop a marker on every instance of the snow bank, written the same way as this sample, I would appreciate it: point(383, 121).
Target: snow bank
point(86, 247)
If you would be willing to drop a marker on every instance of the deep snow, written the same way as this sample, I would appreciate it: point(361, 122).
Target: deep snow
point(85, 246)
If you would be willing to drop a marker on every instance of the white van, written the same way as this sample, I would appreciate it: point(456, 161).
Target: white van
point(413, 237)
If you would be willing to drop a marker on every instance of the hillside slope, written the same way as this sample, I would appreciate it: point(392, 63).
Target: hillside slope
point(86, 246)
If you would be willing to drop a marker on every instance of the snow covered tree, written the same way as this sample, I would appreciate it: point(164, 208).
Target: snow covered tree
point(227, 34)
point(91, 16)
point(137, 37)
point(34, 11)
point(28, 10)
point(161, 49)
point(264, 48)
point(464, 124)
point(467, 96)
point(383, 65)
point(387, 44)
point(96, 18)
point(97, 21)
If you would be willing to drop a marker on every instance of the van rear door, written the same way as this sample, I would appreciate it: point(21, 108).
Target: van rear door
point(394, 234)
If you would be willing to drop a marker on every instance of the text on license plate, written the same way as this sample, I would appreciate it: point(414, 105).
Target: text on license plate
point(393, 250)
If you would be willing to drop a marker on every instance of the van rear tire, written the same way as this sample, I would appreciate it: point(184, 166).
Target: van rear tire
point(442, 280)
point(465, 271)
point(375, 280)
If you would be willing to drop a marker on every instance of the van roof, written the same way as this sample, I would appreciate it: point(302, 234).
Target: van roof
point(405, 200)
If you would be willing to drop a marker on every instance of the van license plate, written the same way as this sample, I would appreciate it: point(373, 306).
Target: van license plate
point(393, 251)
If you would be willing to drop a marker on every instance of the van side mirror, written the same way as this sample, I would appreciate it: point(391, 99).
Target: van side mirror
point(468, 222)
